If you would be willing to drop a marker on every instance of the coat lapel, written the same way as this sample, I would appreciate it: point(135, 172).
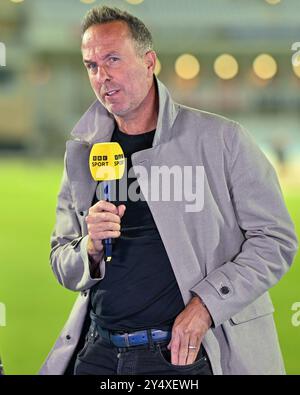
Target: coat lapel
point(95, 126)
point(82, 184)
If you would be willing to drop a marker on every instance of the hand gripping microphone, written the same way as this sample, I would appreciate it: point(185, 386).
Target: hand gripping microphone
point(107, 163)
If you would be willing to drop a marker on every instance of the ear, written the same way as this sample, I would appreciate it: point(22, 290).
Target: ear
point(150, 60)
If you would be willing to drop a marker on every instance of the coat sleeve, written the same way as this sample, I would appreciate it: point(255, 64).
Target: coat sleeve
point(69, 259)
point(270, 242)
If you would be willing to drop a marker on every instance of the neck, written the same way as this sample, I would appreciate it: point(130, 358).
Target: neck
point(144, 119)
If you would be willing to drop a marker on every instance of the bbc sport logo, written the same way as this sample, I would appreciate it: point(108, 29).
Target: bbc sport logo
point(2, 54)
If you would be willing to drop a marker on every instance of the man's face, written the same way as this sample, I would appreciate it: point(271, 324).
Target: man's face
point(120, 77)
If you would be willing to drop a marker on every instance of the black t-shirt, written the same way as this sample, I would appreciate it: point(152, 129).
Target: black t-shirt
point(139, 289)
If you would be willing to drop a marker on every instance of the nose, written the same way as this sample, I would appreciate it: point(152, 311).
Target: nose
point(102, 75)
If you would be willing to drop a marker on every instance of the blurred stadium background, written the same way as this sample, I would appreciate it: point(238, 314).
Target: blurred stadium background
point(232, 57)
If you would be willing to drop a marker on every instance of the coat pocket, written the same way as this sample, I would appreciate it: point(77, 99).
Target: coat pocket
point(260, 307)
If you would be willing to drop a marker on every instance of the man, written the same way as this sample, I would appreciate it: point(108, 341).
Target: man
point(186, 291)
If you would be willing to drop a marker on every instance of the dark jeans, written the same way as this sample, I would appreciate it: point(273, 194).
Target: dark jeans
point(99, 357)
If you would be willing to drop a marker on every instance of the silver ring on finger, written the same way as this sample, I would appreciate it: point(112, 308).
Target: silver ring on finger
point(192, 347)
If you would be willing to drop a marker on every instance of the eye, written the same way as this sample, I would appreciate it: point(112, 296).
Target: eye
point(113, 59)
point(92, 67)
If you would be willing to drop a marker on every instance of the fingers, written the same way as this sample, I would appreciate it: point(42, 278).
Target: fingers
point(99, 217)
point(180, 350)
point(175, 346)
point(188, 332)
point(103, 229)
point(121, 210)
point(103, 205)
point(104, 220)
point(184, 348)
point(104, 234)
point(192, 352)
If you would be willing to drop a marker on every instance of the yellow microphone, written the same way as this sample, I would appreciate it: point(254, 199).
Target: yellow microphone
point(107, 163)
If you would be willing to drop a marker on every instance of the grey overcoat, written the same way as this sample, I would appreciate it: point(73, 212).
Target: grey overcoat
point(230, 252)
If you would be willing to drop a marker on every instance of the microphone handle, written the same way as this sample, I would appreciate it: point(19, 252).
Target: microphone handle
point(107, 242)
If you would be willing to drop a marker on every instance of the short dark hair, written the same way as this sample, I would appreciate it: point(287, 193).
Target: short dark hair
point(139, 32)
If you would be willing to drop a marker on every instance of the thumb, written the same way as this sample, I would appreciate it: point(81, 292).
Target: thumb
point(121, 210)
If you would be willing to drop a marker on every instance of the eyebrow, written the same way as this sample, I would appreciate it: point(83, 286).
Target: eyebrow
point(88, 61)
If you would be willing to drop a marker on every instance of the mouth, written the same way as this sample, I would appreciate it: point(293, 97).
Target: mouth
point(111, 93)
